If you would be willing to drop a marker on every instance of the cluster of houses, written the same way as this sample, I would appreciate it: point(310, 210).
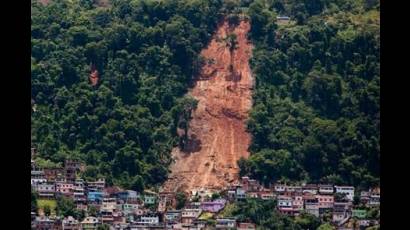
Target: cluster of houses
point(127, 209)
point(318, 200)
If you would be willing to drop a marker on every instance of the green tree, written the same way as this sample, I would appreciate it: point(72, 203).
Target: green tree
point(307, 221)
point(103, 227)
point(92, 211)
point(65, 207)
point(325, 226)
point(138, 184)
point(215, 196)
point(186, 106)
point(34, 206)
point(181, 199)
point(47, 210)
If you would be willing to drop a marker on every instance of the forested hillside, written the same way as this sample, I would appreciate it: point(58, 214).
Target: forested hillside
point(315, 116)
point(145, 52)
point(316, 102)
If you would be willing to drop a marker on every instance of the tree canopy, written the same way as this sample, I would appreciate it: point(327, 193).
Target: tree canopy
point(316, 114)
point(124, 127)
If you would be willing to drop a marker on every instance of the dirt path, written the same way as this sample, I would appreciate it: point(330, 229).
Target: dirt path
point(224, 100)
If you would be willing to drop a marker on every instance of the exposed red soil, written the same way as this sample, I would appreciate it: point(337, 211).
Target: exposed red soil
point(218, 126)
point(44, 2)
point(94, 78)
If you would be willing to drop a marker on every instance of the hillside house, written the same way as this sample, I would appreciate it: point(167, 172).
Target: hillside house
point(107, 216)
point(293, 191)
point(279, 188)
point(240, 193)
point(111, 191)
point(231, 194)
point(172, 216)
point(199, 224)
point(95, 197)
point(169, 197)
point(310, 188)
point(128, 196)
point(90, 223)
point(162, 205)
point(326, 189)
point(266, 195)
point(128, 208)
point(189, 215)
point(374, 198)
point(193, 205)
point(283, 18)
point(225, 223)
point(246, 226)
point(340, 212)
point(364, 197)
point(249, 184)
point(38, 177)
point(120, 226)
point(119, 218)
point(71, 167)
point(79, 195)
point(65, 188)
point(359, 213)
point(109, 204)
point(148, 220)
point(79, 183)
point(149, 198)
point(97, 185)
point(311, 204)
point(252, 194)
point(44, 222)
point(347, 190)
point(325, 201)
point(364, 223)
point(297, 203)
point(45, 190)
point(213, 206)
point(53, 174)
point(33, 152)
point(285, 205)
point(69, 223)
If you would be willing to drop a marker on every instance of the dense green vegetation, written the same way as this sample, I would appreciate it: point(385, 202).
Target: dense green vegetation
point(34, 205)
point(316, 102)
point(146, 52)
point(181, 199)
point(66, 207)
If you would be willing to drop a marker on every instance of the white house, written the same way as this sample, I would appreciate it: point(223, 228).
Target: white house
point(326, 189)
point(225, 223)
point(348, 190)
point(280, 187)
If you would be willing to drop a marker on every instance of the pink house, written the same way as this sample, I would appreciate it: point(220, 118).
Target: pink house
point(246, 226)
point(297, 203)
point(65, 188)
point(325, 201)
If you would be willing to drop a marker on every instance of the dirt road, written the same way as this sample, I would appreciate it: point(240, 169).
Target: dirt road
point(218, 126)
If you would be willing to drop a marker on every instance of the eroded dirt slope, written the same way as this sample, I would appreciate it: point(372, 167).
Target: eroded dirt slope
point(218, 127)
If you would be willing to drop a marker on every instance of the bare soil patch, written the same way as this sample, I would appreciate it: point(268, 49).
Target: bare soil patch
point(218, 126)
